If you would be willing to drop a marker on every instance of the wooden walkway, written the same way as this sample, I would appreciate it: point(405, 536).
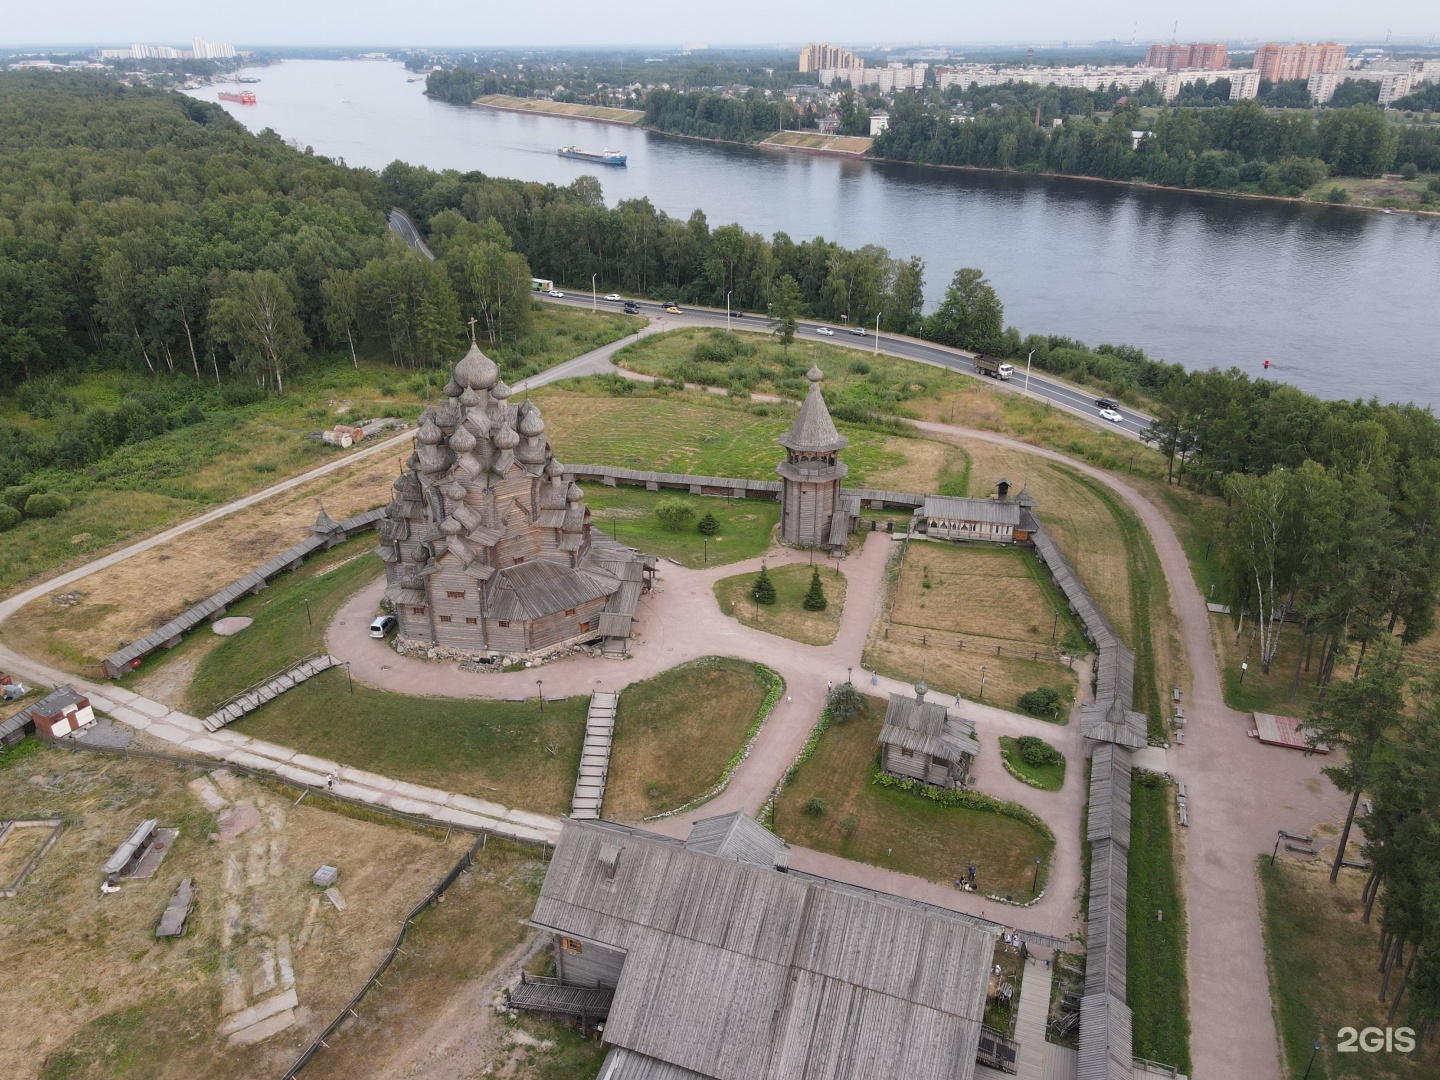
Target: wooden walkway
point(1030, 1023)
point(595, 756)
point(253, 699)
point(547, 995)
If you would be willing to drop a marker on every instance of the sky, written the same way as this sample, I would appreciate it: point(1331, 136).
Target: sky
point(460, 23)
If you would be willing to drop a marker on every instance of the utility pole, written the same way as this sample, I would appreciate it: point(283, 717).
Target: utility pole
point(877, 333)
point(1027, 371)
point(727, 311)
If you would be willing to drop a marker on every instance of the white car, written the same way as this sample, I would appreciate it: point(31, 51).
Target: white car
point(556, 293)
point(1111, 415)
point(614, 297)
point(825, 330)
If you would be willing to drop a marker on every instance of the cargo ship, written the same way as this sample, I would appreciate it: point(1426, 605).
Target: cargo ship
point(244, 97)
point(608, 157)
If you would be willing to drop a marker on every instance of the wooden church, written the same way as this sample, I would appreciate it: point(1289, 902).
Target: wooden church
point(489, 551)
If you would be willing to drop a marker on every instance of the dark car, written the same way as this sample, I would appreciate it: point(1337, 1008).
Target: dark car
point(631, 308)
point(738, 314)
point(1106, 403)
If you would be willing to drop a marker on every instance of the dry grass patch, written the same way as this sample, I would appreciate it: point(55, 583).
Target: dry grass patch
point(897, 829)
point(960, 608)
point(929, 467)
point(562, 108)
point(786, 617)
point(136, 1006)
point(134, 597)
point(676, 733)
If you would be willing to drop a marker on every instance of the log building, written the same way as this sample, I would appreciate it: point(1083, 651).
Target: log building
point(489, 551)
point(922, 740)
point(813, 510)
point(1003, 519)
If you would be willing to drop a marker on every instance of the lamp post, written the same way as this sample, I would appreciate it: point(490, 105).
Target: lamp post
point(594, 302)
point(349, 681)
point(1244, 667)
point(982, 682)
point(705, 547)
point(1279, 835)
point(1027, 371)
point(1055, 627)
point(308, 621)
point(847, 676)
point(1035, 881)
point(877, 334)
point(1313, 1052)
point(540, 692)
point(727, 310)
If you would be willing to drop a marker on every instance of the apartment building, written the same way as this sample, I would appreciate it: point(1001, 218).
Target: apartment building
point(824, 56)
point(1281, 62)
point(1206, 55)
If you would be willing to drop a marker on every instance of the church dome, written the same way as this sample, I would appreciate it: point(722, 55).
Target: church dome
point(452, 389)
point(462, 442)
point(429, 433)
point(530, 423)
point(476, 370)
point(506, 438)
point(499, 391)
point(574, 495)
point(470, 398)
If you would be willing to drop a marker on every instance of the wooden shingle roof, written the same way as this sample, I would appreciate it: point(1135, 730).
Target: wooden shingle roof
point(927, 727)
point(736, 836)
point(813, 431)
point(986, 511)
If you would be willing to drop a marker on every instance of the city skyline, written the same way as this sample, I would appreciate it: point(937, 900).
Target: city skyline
point(747, 23)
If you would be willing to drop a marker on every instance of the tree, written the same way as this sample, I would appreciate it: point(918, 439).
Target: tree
point(815, 598)
point(674, 514)
point(341, 292)
point(787, 307)
point(708, 524)
point(763, 590)
point(845, 703)
point(971, 315)
point(255, 318)
point(1353, 717)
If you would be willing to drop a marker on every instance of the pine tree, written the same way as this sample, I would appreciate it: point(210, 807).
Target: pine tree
point(815, 599)
point(764, 590)
point(708, 525)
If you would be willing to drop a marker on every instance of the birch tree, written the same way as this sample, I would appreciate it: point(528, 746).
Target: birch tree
point(255, 318)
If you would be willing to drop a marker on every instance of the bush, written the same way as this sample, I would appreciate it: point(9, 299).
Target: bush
point(674, 514)
point(1037, 752)
point(1408, 171)
point(764, 589)
point(15, 497)
point(814, 806)
point(1337, 195)
point(46, 505)
point(1434, 184)
point(847, 825)
point(1041, 701)
point(9, 517)
point(615, 385)
point(815, 599)
point(845, 702)
point(708, 524)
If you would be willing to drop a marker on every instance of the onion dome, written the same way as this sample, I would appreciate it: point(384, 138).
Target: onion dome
point(814, 374)
point(921, 690)
point(447, 414)
point(553, 469)
point(476, 370)
point(506, 438)
point(499, 391)
point(429, 433)
point(470, 398)
point(574, 495)
point(462, 442)
point(451, 527)
point(452, 389)
point(531, 425)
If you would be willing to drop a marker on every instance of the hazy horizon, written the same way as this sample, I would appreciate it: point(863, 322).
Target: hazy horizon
point(743, 23)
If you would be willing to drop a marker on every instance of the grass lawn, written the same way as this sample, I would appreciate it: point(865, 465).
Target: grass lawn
point(449, 947)
point(786, 617)
point(676, 733)
point(1046, 777)
point(961, 608)
point(1324, 972)
point(628, 514)
point(507, 752)
point(1269, 693)
point(1155, 970)
point(562, 108)
point(899, 830)
point(290, 620)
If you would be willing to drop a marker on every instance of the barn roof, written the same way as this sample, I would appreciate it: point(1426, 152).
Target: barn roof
point(813, 431)
point(529, 590)
point(927, 727)
point(736, 836)
point(738, 972)
point(986, 511)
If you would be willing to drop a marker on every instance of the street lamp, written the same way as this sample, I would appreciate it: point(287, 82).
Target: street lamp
point(727, 310)
point(877, 333)
point(847, 675)
point(1027, 371)
point(1313, 1052)
point(705, 547)
point(1055, 627)
point(1035, 881)
point(349, 681)
point(540, 692)
point(982, 682)
point(1244, 667)
point(308, 621)
point(594, 302)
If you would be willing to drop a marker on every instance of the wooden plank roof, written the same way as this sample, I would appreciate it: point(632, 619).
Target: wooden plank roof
point(737, 836)
point(1105, 1039)
point(927, 727)
point(622, 1064)
point(986, 511)
point(1109, 815)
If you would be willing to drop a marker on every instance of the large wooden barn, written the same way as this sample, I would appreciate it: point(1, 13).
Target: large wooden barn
point(489, 551)
point(923, 740)
point(713, 962)
point(1004, 519)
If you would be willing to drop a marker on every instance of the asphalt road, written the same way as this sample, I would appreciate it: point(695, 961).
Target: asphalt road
point(1060, 394)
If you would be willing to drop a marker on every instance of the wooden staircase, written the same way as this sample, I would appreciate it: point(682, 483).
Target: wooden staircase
point(595, 756)
point(252, 698)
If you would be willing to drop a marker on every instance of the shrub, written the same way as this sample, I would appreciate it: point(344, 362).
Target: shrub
point(1337, 195)
point(674, 514)
point(845, 702)
point(15, 497)
point(615, 385)
point(1434, 184)
point(708, 524)
point(1408, 171)
point(847, 825)
point(764, 589)
point(814, 806)
point(9, 517)
point(1037, 752)
point(1041, 701)
point(815, 599)
point(47, 505)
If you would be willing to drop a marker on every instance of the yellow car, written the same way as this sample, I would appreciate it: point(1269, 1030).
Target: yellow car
point(673, 310)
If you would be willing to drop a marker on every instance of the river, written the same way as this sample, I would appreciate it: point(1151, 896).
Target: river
point(1344, 303)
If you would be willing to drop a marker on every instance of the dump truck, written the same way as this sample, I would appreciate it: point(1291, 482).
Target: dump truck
point(992, 366)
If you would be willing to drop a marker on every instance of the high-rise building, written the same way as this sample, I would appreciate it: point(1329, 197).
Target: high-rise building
point(209, 50)
point(1203, 55)
point(825, 55)
point(1279, 63)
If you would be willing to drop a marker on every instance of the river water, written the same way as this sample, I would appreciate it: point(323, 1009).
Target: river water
point(1344, 303)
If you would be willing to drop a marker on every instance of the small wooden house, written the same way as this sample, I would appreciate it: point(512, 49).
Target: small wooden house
point(63, 711)
point(1004, 519)
point(923, 740)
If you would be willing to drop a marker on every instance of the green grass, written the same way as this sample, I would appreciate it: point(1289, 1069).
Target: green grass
point(506, 752)
point(675, 734)
point(899, 830)
point(1045, 777)
point(291, 616)
point(628, 514)
point(696, 433)
point(1155, 970)
point(786, 617)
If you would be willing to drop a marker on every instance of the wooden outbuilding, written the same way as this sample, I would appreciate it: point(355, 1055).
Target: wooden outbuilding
point(923, 740)
point(723, 967)
point(1004, 519)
